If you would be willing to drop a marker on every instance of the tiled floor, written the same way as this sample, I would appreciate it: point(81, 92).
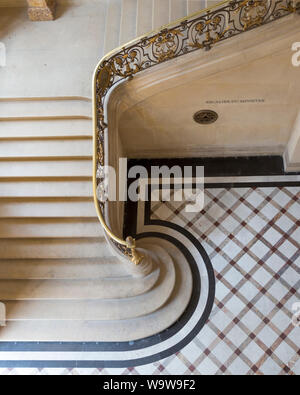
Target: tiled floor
point(252, 236)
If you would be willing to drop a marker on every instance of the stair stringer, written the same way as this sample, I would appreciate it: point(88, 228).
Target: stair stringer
point(178, 315)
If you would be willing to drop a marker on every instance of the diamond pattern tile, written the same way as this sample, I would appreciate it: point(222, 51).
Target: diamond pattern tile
point(256, 262)
point(252, 238)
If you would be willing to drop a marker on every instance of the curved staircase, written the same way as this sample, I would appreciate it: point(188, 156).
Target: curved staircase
point(59, 279)
point(128, 19)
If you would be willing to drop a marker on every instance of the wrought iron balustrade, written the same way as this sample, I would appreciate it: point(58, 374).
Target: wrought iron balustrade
point(199, 31)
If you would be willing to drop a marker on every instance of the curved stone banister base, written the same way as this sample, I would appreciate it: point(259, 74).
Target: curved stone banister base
point(122, 320)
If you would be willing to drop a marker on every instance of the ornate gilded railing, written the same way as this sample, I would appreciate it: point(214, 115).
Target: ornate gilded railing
point(199, 31)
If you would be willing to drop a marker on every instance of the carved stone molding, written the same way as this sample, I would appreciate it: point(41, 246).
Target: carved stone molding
point(41, 10)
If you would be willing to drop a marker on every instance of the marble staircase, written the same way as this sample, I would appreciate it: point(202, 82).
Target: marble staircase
point(128, 19)
point(59, 280)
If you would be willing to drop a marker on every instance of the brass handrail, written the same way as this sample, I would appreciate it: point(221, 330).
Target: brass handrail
point(200, 30)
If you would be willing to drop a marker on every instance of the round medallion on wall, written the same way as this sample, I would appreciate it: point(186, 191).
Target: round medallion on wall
point(205, 117)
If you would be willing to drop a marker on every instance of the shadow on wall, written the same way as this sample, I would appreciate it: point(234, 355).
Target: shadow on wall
point(9, 19)
point(61, 9)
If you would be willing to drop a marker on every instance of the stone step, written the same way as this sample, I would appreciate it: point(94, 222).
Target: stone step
point(63, 147)
point(47, 208)
point(54, 248)
point(14, 188)
point(112, 330)
point(100, 310)
point(18, 228)
point(144, 17)
point(128, 21)
point(113, 21)
point(74, 310)
point(45, 107)
point(46, 168)
point(59, 282)
point(46, 127)
point(196, 5)
point(55, 289)
point(178, 9)
point(63, 269)
point(209, 3)
point(161, 13)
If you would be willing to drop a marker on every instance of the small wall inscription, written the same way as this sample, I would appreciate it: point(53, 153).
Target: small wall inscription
point(236, 101)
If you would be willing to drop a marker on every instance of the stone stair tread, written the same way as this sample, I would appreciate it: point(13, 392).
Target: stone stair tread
point(57, 289)
point(178, 9)
point(46, 188)
point(54, 248)
point(161, 13)
point(45, 168)
point(12, 228)
point(128, 21)
point(144, 17)
point(111, 330)
point(196, 5)
point(113, 19)
point(100, 310)
point(53, 127)
point(67, 269)
point(47, 208)
point(80, 147)
point(45, 107)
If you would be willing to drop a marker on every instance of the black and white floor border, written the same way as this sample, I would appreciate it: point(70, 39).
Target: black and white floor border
point(149, 350)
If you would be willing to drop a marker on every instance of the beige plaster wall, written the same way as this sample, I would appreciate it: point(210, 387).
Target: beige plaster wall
point(158, 118)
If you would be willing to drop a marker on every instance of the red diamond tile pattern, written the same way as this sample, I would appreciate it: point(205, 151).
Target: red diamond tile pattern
point(252, 237)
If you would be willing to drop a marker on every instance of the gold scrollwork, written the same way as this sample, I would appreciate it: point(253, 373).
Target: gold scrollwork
point(125, 65)
point(253, 12)
point(199, 31)
point(165, 44)
point(104, 79)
